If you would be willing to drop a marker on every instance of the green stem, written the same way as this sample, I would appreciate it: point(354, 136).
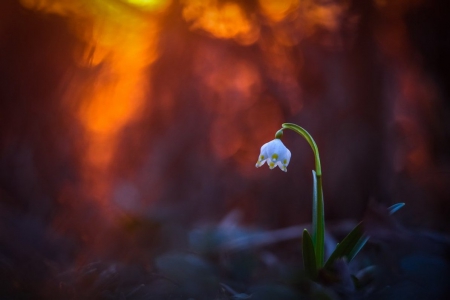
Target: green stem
point(318, 218)
point(319, 222)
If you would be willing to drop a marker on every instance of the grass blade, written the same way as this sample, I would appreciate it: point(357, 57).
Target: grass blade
point(345, 248)
point(309, 256)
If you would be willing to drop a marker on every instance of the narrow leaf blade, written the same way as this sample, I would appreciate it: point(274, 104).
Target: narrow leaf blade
point(345, 248)
point(318, 220)
point(309, 256)
point(392, 209)
point(359, 245)
point(314, 209)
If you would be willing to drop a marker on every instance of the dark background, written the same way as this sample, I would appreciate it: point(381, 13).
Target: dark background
point(368, 79)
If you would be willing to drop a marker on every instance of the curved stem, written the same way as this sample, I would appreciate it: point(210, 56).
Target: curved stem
point(310, 140)
point(318, 218)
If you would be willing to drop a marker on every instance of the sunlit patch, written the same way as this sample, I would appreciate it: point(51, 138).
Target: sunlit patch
point(326, 16)
point(150, 5)
point(226, 20)
point(279, 9)
point(121, 44)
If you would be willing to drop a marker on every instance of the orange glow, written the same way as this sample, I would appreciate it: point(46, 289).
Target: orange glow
point(307, 15)
point(150, 5)
point(223, 21)
point(114, 99)
point(326, 16)
point(120, 45)
point(278, 10)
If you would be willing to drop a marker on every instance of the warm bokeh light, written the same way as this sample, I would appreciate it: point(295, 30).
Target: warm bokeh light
point(278, 10)
point(121, 45)
point(150, 5)
point(226, 20)
point(327, 16)
point(130, 129)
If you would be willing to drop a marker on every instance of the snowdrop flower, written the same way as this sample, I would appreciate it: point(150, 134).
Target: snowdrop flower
point(276, 154)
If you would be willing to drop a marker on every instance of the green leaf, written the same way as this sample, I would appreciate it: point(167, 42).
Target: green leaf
point(392, 209)
point(309, 256)
point(318, 220)
point(349, 248)
point(359, 245)
point(345, 248)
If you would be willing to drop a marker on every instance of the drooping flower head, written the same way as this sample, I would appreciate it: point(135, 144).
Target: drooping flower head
point(276, 154)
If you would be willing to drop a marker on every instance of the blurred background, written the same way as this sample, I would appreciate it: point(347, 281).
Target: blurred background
point(123, 114)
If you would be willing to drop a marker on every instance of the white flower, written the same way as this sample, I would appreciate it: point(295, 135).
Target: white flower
point(276, 154)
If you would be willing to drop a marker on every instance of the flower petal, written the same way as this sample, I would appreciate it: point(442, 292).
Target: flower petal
point(286, 157)
point(276, 154)
point(282, 167)
point(260, 162)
